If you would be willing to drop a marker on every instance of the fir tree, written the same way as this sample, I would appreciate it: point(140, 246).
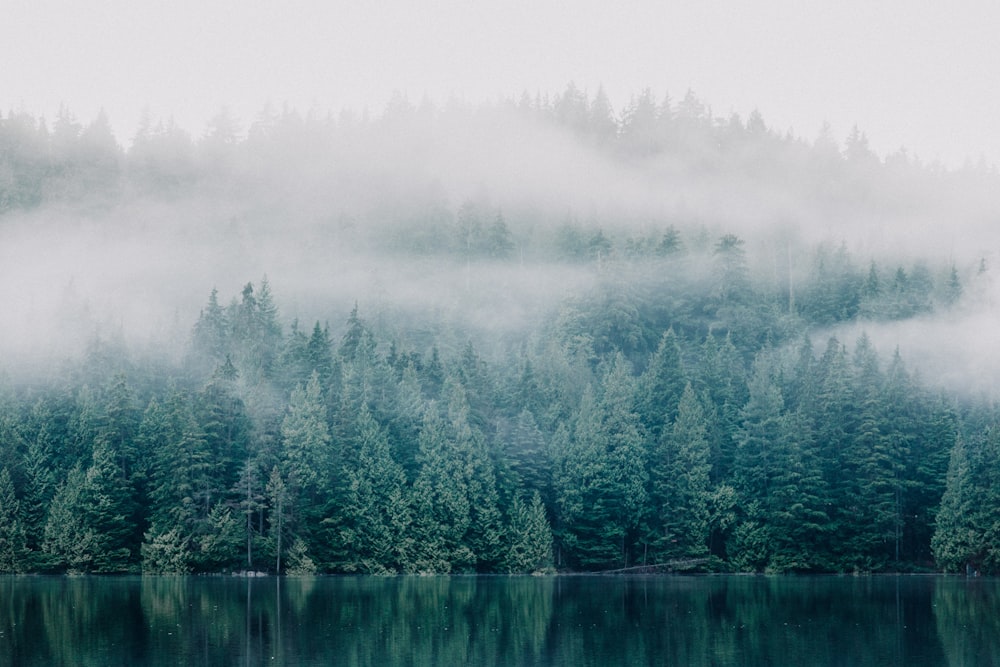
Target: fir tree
point(529, 537)
point(13, 554)
point(681, 488)
point(377, 504)
point(442, 513)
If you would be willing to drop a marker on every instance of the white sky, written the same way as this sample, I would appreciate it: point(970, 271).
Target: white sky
point(911, 73)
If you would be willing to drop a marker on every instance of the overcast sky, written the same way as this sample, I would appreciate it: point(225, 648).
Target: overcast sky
point(910, 73)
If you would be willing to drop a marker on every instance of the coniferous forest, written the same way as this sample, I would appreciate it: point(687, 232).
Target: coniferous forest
point(392, 344)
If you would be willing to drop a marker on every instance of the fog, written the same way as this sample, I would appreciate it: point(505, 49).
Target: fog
point(336, 210)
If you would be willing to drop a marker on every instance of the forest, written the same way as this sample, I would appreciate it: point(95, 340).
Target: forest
point(436, 372)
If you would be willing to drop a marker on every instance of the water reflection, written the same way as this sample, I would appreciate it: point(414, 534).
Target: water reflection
point(499, 621)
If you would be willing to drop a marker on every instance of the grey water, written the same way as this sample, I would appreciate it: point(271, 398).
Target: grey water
point(554, 621)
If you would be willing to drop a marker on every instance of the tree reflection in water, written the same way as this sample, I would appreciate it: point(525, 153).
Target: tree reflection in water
point(557, 621)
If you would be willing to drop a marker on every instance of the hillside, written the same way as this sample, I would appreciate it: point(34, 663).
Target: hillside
point(506, 338)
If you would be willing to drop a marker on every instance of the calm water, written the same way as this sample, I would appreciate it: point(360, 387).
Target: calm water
point(565, 621)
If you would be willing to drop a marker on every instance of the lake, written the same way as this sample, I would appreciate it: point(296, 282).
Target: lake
point(558, 621)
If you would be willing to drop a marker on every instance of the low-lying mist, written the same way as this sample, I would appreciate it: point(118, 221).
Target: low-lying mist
point(477, 220)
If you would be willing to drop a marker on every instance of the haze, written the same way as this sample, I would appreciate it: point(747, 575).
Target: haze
point(909, 74)
point(403, 108)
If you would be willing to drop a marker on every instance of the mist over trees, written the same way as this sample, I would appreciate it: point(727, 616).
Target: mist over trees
point(519, 337)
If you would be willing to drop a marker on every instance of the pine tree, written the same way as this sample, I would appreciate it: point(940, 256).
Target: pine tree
point(377, 507)
point(485, 535)
point(319, 354)
point(166, 552)
point(661, 386)
point(601, 476)
point(957, 541)
point(968, 524)
point(13, 551)
point(527, 454)
point(211, 337)
point(69, 542)
point(221, 540)
point(529, 537)
point(760, 440)
point(627, 454)
point(182, 489)
point(442, 513)
point(722, 380)
point(277, 495)
point(682, 488)
point(581, 474)
point(797, 514)
point(868, 464)
point(40, 487)
point(227, 427)
point(106, 510)
point(306, 440)
point(935, 430)
point(250, 491)
point(836, 421)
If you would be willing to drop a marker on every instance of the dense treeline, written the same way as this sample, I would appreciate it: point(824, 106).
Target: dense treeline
point(290, 154)
point(668, 407)
point(668, 425)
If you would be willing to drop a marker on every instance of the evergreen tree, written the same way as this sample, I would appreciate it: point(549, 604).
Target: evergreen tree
point(836, 420)
point(182, 489)
point(377, 506)
point(967, 533)
point(69, 542)
point(681, 489)
point(529, 537)
point(13, 550)
point(485, 534)
point(733, 275)
point(166, 552)
point(39, 489)
point(934, 432)
point(308, 464)
point(956, 544)
point(277, 496)
point(722, 380)
point(869, 495)
point(227, 427)
point(211, 337)
point(798, 514)
point(760, 442)
point(220, 545)
point(106, 510)
point(601, 476)
point(527, 454)
point(319, 354)
point(306, 440)
point(661, 387)
point(442, 513)
point(250, 491)
point(499, 242)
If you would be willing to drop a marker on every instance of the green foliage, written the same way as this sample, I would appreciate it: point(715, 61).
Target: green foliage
point(13, 554)
point(529, 537)
point(591, 449)
point(70, 544)
point(681, 488)
point(442, 510)
point(306, 437)
point(601, 476)
point(378, 506)
point(166, 552)
point(669, 405)
point(967, 525)
point(299, 562)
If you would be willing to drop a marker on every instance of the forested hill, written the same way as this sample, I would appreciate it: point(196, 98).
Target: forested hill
point(450, 374)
